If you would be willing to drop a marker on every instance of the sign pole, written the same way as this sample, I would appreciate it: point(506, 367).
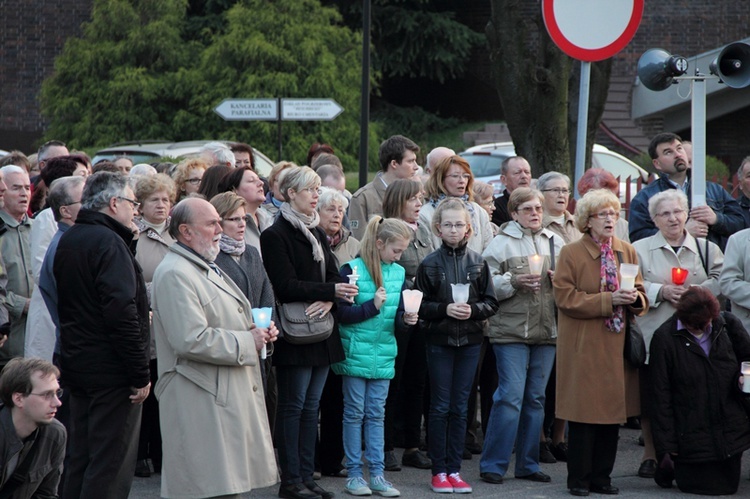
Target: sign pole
point(583, 120)
point(364, 119)
point(278, 127)
point(698, 178)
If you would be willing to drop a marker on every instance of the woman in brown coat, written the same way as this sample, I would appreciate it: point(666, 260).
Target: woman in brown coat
point(596, 389)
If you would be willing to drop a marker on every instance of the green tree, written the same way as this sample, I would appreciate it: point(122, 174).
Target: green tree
point(145, 80)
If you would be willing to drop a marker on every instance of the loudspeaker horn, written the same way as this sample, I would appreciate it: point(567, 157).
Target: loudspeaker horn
point(657, 68)
point(733, 65)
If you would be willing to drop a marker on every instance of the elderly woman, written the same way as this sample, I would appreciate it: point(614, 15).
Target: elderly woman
point(332, 206)
point(302, 268)
point(556, 189)
point(403, 200)
point(248, 185)
point(187, 176)
point(596, 389)
point(452, 177)
point(599, 178)
point(523, 335)
point(156, 194)
point(274, 199)
point(484, 197)
point(699, 420)
point(671, 248)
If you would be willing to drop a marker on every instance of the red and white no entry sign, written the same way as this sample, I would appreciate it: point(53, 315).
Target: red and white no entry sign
point(592, 30)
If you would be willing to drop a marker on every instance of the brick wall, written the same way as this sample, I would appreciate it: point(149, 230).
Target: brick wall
point(32, 34)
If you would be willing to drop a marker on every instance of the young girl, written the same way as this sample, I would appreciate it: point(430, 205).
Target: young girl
point(454, 333)
point(367, 323)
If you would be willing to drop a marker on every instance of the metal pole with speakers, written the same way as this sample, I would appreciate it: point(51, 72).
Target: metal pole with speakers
point(658, 70)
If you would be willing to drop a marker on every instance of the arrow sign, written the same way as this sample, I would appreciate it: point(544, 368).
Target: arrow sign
point(248, 109)
point(309, 109)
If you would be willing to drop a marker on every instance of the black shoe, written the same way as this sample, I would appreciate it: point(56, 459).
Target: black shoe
point(576, 491)
point(474, 448)
point(633, 423)
point(605, 489)
point(664, 477)
point(142, 469)
point(545, 455)
point(647, 469)
point(641, 442)
point(317, 489)
point(466, 456)
point(536, 477)
point(416, 459)
point(297, 491)
point(489, 477)
point(560, 451)
point(391, 463)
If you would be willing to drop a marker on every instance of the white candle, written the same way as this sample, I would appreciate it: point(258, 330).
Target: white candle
point(746, 377)
point(628, 272)
point(535, 264)
point(412, 300)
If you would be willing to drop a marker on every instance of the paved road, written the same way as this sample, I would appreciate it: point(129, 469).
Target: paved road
point(415, 483)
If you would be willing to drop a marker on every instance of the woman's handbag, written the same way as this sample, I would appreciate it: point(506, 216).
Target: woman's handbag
point(635, 346)
point(300, 329)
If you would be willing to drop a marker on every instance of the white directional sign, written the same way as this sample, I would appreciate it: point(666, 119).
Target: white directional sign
point(248, 109)
point(309, 109)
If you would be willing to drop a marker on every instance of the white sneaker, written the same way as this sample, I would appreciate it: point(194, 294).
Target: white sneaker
point(357, 486)
point(381, 486)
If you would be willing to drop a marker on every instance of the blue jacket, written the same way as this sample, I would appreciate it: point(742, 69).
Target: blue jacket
point(729, 217)
point(367, 334)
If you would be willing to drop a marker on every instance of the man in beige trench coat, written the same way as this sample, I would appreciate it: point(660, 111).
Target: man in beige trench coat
point(215, 431)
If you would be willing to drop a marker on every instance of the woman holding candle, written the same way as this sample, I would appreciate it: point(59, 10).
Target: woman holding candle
point(671, 261)
point(302, 267)
point(367, 329)
point(596, 389)
point(599, 178)
point(698, 419)
point(403, 200)
point(332, 206)
point(523, 335)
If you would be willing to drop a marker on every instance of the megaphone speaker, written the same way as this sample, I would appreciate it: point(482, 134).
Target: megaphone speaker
point(733, 65)
point(657, 68)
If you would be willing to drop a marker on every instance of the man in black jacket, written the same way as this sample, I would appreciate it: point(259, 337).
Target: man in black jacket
point(104, 338)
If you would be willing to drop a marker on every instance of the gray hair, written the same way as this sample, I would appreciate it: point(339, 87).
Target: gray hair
point(142, 169)
point(59, 193)
point(298, 178)
point(101, 187)
point(221, 153)
point(181, 214)
point(543, 181)
point(668, 195)
point(10, 169)
point(329, 196)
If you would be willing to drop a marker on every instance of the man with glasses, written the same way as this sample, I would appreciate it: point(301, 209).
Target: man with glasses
point(32, 441)
point(718, 219)
point(104, 339)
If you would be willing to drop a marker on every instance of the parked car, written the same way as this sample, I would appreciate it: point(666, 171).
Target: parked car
point(485, 161)
point(149, 152)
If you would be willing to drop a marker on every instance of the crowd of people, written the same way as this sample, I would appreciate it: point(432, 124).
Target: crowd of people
point(282, 328)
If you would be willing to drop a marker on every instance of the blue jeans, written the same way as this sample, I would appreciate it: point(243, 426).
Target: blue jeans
point(518, 408)
point(364, 402)
point(300, 388)
point(452, 371)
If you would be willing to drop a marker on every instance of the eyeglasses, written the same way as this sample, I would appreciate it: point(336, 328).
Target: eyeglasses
point(193, 181)
point(135, 203)
point(458, 226)
point(669, 214)
point(456, 176)
point(528, 210)
point(71, 204)
point(314, 190)
point(558, 191)
point(603, 215)
point(50, 395)
point(235, 220)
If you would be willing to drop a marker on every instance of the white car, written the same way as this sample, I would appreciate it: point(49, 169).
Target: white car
point(485, 161)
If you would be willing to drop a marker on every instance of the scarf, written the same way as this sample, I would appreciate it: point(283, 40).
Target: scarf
point(304, 224)
point(231, 246)
point(334, 241)
point(610, 283)
point(464, 198)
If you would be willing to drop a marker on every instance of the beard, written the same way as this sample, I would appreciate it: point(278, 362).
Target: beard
point(208, 249)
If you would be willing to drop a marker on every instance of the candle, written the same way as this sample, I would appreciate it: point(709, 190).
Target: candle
point(354, 276)
point(262, 319)
point(460, 293)
point(412, 300)
point(679, 276)
point(535, 264)
point(746, 377)
point(628, 272)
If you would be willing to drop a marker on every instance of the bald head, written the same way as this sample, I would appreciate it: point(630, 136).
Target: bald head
point(435, 156)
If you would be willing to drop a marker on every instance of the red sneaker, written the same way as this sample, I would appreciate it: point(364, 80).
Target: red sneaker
point(459, 486)
point(441, 485)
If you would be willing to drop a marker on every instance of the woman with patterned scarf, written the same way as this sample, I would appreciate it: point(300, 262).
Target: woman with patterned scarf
point(596, 389)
